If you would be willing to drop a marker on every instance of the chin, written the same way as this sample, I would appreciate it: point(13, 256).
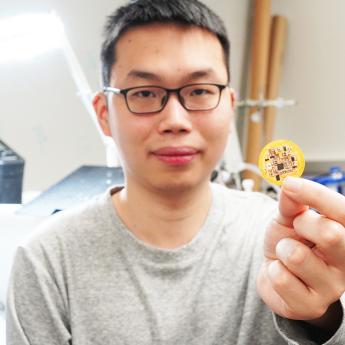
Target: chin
point(179, 184)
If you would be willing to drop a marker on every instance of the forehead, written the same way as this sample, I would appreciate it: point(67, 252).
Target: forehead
point(169, 51)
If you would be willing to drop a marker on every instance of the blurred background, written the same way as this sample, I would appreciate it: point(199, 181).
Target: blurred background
point(43, 119)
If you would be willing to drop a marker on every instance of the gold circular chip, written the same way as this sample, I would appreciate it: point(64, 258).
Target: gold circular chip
point(279, 159)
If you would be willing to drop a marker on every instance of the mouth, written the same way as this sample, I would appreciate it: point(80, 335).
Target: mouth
point(176, 155)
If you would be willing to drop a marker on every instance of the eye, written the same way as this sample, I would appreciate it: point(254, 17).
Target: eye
point(200, 92)
point(144, 94)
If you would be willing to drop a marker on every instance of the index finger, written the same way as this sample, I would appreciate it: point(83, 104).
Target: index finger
point(289, 209)
point(327, 202)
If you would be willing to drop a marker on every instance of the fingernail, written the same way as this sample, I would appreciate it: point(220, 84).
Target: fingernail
point(292, 184)
point(284, 248)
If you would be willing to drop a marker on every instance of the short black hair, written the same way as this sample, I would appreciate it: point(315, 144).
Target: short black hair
point(143, 12)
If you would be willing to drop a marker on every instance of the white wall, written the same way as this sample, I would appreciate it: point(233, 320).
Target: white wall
point(314, 72)
point(42, 118)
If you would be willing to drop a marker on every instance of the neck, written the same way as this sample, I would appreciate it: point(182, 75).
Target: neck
point(163, 219)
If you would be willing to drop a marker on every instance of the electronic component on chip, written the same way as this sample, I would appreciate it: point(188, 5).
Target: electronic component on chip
point(279, 159)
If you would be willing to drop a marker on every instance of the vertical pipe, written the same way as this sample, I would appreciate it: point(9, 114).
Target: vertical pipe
point(278, 39)
point(259, 67)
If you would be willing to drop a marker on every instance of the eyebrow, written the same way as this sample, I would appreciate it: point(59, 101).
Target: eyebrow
point(209, 72)
point(149, 76)
point(144, 75)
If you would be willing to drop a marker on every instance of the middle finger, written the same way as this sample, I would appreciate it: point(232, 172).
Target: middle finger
point(307, 266)
point(327, 234)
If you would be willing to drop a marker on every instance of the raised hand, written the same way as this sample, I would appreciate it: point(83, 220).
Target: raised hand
point(303, 275)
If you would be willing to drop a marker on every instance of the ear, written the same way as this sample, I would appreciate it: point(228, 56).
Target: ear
point(233, 98)
point(99, 103)
point(233, 119)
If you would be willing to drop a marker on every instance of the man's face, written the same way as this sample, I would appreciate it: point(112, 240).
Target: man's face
point(175, 149)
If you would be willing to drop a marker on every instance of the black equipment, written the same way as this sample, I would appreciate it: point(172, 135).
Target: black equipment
point(79, 186)
point(11, 175)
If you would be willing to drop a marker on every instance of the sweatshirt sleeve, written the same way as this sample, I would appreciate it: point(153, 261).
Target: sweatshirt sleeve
point(296, 332)
point(36, 312)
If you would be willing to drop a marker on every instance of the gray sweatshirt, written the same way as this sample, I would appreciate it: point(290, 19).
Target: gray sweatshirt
point(85, 279)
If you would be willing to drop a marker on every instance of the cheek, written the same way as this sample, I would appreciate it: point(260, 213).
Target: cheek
point(218, 130)
point(216, 133)
point(129, 133)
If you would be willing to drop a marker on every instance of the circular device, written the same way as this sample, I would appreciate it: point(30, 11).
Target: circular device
point(279, 159)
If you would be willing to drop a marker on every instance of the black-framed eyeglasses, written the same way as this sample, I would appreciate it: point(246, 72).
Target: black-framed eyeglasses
point(152, 99)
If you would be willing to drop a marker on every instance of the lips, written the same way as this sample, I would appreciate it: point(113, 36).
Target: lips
point(176, 155)
point(175, 151)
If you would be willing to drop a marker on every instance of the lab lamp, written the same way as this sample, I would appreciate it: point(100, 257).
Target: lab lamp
point(26, 36)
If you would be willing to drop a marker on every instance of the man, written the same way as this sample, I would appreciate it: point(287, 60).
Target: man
point(169, 258)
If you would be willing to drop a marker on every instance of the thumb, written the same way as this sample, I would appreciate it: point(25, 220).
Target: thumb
point(288, 207)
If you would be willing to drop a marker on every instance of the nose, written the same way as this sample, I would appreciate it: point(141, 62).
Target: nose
point(174, 117)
